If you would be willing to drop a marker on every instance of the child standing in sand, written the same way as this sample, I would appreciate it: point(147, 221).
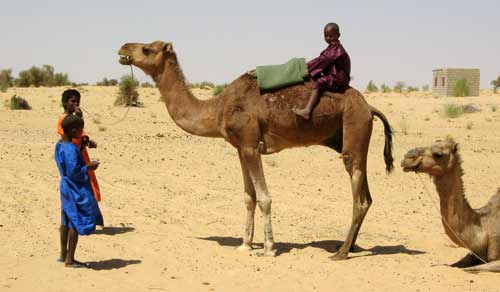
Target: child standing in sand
point(329, 71)
point(79, 209)
point(71, 104)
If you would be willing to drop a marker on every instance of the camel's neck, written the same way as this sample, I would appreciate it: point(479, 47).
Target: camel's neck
point(194, 116)
point(455, 208)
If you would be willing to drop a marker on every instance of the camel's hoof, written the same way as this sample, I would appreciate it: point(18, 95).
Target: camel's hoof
point(244, 247)
point(338, 257)
point(267, 253)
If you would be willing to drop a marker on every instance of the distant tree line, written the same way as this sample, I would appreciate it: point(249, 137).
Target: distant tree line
point(33, 77)
point(399, 87)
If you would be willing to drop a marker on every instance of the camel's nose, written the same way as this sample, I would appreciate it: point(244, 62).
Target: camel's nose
point(414, 152)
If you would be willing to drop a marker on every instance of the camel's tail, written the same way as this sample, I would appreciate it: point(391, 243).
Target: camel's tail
point(389, 166)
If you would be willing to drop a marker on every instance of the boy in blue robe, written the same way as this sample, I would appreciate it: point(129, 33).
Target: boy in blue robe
point(79, 210)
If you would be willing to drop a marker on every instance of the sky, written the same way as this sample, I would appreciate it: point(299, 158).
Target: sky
point(218, 40)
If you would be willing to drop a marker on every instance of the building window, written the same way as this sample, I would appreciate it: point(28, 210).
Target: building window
point(443, 81)
point(435, 81)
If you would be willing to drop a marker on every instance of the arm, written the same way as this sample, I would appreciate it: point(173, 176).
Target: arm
point(321, 63)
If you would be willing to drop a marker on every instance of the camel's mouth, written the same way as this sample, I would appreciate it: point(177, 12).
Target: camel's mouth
point(125, 59)
point(411, 167)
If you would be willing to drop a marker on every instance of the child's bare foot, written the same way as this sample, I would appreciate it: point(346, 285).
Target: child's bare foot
point(77, 264)
point(302, 112)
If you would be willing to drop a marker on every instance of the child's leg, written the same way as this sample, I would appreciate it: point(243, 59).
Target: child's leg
point(63, 237)
point(72, 242)
point(306, 112)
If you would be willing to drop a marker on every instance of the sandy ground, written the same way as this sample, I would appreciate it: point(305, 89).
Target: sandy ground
point(174, 211)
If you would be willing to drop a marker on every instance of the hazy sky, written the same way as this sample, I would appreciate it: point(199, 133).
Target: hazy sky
point(216, 41)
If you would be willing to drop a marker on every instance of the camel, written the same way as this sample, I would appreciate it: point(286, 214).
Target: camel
point(475, 229)
point(258, 123)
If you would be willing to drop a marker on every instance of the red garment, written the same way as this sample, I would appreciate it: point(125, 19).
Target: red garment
point(78, 142)
point(332, 69)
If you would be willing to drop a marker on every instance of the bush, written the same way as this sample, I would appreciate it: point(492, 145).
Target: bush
point(453, 110)
point(461, 88)
point(495, 84)
point(400, 85)
point(384, 88)
point(6, 79)
point(202, 85)
point(411, 88)
point(218, 89)
point(146, 85)
point(44, 76)
point(371, 87)
point(128, 95)
point(18, 103)
point(106, 82)
point(425, 88)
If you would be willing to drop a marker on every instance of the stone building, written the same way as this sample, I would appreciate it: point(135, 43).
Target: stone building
point(444, 80)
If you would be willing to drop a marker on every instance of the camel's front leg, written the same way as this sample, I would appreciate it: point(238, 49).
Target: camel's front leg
point(361, 203)
point(253, 162)
point(250, 203)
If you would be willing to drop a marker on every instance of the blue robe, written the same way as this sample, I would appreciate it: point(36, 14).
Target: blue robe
point(79, 206)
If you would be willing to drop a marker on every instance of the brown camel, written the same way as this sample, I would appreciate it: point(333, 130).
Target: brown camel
point(256, 124)
point(475, 229)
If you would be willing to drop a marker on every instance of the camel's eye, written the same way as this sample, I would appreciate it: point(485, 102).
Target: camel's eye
point(437, 154)
point(146, 51)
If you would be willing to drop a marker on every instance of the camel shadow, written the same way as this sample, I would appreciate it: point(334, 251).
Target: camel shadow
point(114, 230)
point(330, 246)
point(112, 264)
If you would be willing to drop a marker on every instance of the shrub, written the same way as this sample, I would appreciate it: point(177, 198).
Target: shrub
point(411, 88)
point(202, 85)
point(384, 88)
point(18, 103)
point(461, 88)
point(107, 82)
point(425, 87)
point(400, 85)
point(6, 79)
point(453, 110)
point(128, 95)
point(371, 87)
point(218, 89)
point(146, 85)
point(495, 84)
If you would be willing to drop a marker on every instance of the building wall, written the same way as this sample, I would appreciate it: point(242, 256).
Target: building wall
point(446, 79)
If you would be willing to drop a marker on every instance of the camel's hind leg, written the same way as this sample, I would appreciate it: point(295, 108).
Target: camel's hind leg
point(253, 162)
point(493, 266)
point(356, 140)
point(250, 203)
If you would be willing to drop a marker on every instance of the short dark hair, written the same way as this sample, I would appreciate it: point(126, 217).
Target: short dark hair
point(334, 26)
point(67, 94)
point(71, 122)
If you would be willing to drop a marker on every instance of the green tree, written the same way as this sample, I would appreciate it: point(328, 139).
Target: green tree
point(461, 88)
point(371, 87)
point(425, 87)
point(384, 88)
point(399, 87)
point(6, 79)
point(495, 84)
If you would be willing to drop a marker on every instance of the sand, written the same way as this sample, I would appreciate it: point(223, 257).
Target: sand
point(174, 211)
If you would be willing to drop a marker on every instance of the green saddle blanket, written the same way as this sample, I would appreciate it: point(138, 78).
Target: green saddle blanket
point(278, 76)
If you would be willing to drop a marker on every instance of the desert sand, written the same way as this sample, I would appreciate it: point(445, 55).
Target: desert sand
point(174, 212)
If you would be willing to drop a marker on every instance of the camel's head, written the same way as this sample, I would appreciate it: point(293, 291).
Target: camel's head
point(435, 160)
point(149, 57)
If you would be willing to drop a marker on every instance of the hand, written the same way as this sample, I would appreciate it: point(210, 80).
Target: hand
point(78, 111)
point(92, 144)
point(85, 142)
point(93, 165)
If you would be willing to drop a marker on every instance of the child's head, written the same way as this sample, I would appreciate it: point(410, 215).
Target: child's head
point(72, 126)
point(331, 32)
point(70, 100)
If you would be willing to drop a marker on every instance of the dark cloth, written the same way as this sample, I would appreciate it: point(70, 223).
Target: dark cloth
point(78, 204)
point(332, 69)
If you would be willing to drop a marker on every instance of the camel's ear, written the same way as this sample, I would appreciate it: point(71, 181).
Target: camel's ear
point(454, 148)
point(168, 48)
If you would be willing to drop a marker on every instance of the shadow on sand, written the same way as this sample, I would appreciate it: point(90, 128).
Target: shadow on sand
point(114, 230)
point(112, 264)
point(327, 245)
